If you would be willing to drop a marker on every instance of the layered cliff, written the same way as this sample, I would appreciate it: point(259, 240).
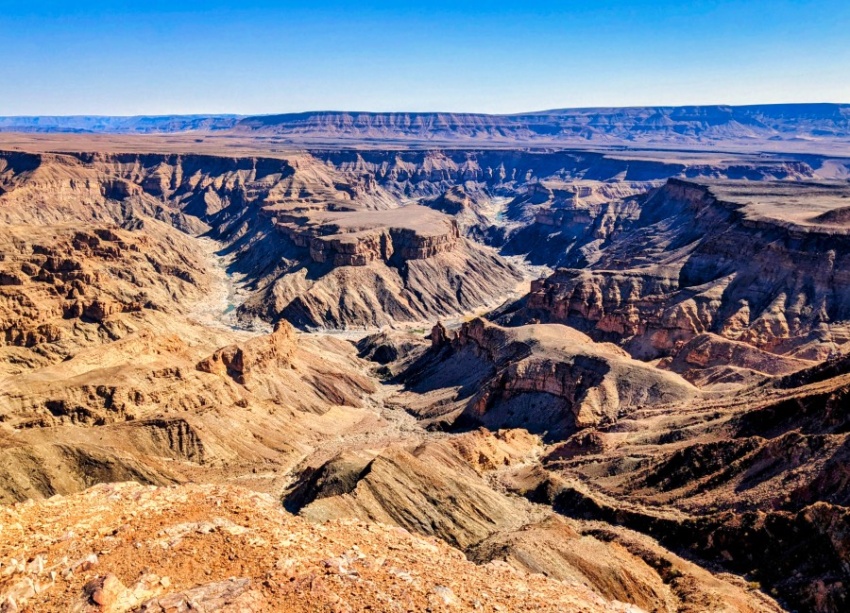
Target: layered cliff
point(65, 289)
point(279, 218)
point(352, 238)
point(750, 263)
point(806, 126)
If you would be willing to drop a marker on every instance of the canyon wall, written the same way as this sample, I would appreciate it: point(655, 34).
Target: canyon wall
point(694, 263)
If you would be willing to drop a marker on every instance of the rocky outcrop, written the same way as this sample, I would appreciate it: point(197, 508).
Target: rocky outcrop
point(359, 238)
point(76, 288)
point(397, 487)
point(554, 547)
point(453, 201)
point(137, 407)
point(755, 481)
point(380, 294)
point(391, 349)
point(354, 250)
point(265, 353)
point(470, 471)
point(546, 378)
point(709, 360)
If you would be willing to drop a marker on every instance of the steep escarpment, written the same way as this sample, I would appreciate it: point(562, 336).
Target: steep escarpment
point(450, 282)
point(808, 126)
point(350, 238)
point(437, 171)
point(704, 259)
point(372, 268)
point(296, 229)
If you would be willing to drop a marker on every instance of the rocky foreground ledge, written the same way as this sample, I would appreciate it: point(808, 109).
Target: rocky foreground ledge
point(127, 547)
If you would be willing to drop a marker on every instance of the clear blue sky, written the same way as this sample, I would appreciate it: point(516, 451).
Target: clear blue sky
point(155, 57)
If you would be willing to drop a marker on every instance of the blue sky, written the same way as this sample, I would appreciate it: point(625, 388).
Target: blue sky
point(154, 57)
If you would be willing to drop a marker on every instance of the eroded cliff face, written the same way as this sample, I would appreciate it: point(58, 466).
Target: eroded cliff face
point(66, 288)
point(281, 218)
point(357, 239)
point(694, 263)
point(172, 401)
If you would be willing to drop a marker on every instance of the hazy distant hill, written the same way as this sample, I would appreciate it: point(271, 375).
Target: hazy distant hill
point(98, 124)
point(637, 124)
point(801, 123)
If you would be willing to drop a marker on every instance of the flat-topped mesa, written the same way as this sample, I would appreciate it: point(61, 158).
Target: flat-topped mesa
point(751, 126)
point(357, 238)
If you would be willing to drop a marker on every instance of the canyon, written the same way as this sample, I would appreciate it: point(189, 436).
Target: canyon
point(396, 376)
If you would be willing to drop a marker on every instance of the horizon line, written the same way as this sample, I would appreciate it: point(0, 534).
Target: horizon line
point(398, 112)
